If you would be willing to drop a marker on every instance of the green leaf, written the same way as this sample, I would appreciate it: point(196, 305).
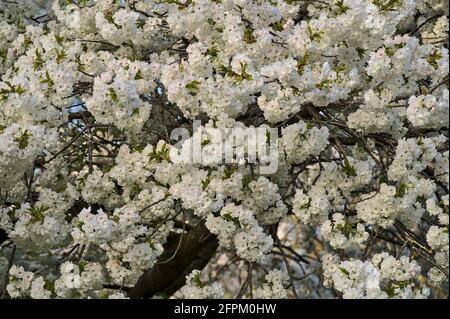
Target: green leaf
point(197, 281)
point(401, 190)
point(360, 52)
point(244, 75)
point(103, 295)
point(229, 171)
point(384, 179)
point(246, 180)
point(21, 26)
point(212, 51)
point(48, 80)
point(138, 75)
point(193, 87)
point(389, 5)
point(393, 286)
point(206, 182)
point(278, 26)
point(135, 190)
point(301, 63)
point(225, 71)
point(162, 154)
point(140, 23)
point(49, 285)
point(231, 219)
point(344, 271)
point(60, 56)
point(349, 170)
point(433, 58)
point(340, 68)
point(389, 51)
point(239, 77)
point(3, 54)
point(390, 290)
point(347, 229)
point(324, 85)
point(248, 37)
point(37, 213)
point(27, 42)
point(341, 7)
point(59, 39)
point(82, 265)
point(313, 35)
point(113, 95)
point(12, 89)
point(38, 61)
point(46, 29)
point(22, 140)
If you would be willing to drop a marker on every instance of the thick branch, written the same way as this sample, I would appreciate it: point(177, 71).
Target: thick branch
point(197, 247)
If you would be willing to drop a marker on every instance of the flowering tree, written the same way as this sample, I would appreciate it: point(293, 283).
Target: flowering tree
point(99, 199)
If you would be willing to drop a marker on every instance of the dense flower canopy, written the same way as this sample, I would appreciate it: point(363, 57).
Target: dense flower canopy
point(99, 200)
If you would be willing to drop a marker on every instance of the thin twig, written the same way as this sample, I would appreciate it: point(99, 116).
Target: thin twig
point(286, 262)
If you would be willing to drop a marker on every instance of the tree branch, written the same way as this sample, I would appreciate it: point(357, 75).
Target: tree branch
point(192, 251)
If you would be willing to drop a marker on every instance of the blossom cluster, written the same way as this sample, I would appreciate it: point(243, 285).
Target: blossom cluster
point(98, 193)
